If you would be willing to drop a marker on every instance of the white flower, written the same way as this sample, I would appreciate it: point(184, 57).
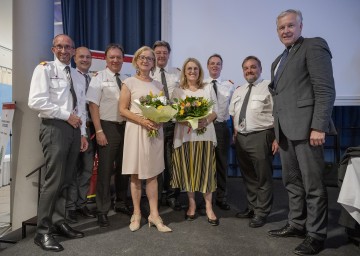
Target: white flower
point(163, 100)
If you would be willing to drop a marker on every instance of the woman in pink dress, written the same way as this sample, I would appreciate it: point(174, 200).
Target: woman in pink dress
point(143, 155)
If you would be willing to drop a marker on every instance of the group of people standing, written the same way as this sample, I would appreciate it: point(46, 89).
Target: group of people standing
point(290, 114)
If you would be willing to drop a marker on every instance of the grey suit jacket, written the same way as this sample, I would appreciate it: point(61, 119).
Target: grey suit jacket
point(305, 92)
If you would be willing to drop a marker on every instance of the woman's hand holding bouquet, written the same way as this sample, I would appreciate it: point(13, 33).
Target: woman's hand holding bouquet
point(194, 110)
point(157, 109)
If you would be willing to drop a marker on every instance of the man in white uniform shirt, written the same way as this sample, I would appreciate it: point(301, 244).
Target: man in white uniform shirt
point(251, 110)
point(169, 77)
point(103, 96)
point(224, 90)
point(77, 193)
point(57, 92)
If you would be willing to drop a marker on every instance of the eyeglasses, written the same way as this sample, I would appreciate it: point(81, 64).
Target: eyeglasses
point(143, 58)
point(65, 47)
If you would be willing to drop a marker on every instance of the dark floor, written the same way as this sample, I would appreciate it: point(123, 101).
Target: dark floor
point(232, 237)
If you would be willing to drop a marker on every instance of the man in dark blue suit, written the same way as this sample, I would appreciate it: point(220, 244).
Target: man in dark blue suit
point(304, 93)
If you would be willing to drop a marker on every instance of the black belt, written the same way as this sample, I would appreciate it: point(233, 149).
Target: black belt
point(255, 132)
point(89, 123)
point(114, 122)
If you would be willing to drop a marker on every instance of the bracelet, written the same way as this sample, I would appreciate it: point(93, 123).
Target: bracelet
point(99, 131)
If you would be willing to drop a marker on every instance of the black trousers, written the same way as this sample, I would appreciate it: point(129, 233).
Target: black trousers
point(222, 163)
point(165, 177)
point(110, 162)
point(61, 146)
point(77, 193)
point(255, 157)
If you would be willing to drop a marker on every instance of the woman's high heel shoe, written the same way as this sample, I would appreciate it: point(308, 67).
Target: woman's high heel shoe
point(159, 224)
point(135, 222)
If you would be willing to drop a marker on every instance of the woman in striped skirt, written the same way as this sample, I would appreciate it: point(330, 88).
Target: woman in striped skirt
point(194, 166)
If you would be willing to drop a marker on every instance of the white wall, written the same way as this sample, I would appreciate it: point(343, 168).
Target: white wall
point(238, 28)
point(6, 33)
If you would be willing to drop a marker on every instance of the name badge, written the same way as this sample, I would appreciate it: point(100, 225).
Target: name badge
point(242, 125)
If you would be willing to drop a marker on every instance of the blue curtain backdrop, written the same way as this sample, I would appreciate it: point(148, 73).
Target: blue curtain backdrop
point(96, 23)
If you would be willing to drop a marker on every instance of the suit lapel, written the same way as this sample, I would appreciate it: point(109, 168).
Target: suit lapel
point(292, 52)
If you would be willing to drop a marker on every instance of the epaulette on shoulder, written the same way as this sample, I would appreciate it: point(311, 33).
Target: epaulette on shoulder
point(178, 69)
point(231, 81)
point(95, 74)
point(43, 63)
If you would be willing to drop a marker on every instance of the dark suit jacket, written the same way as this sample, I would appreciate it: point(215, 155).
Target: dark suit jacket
point(305, 92)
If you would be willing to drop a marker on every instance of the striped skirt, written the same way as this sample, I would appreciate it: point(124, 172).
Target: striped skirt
point(194, 167)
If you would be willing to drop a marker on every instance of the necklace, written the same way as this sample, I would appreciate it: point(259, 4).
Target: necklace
point(146, 78)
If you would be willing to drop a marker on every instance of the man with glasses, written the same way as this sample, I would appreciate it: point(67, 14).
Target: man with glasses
point(103, 97)
point(57, 92)
point(169, 77)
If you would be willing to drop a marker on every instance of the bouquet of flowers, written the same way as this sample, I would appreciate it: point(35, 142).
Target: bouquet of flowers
point(156, 108)
point(191, 109)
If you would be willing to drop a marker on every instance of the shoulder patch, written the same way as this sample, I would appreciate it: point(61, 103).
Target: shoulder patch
point(43, 63)
point(231, 81)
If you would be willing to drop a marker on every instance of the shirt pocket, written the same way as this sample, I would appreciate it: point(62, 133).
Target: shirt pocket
point(57, 87)
point(258, 102)
point(110, 90)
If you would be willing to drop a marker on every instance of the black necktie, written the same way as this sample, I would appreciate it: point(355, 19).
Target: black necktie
point(118, 81)
point(214, 86)
point(163, 81)
point(72, 90)
point(87, 81)
point(281, 66)
point(244, 105)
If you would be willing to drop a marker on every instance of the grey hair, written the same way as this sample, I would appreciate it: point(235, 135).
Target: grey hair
point(298, 14)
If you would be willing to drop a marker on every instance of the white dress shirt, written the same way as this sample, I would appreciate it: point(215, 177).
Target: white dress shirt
point(104, 92)
point(172, 76)
point(259, 110)
point(225, 89)
point(50, 92)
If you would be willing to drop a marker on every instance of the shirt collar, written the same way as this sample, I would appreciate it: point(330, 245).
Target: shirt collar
point(61, 65)
point(258, 81)
point(110, 72)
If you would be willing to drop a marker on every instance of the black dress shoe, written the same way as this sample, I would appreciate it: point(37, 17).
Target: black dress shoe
point(47, 242)
point(247, 214)
point(215, 222)
point(223, 205)
point(103, 221)
point(123, 209)
point(287, 231)
point(257, 221)
point(71, 217)
point(310, 246)
point(65, 230)
point(85, 212)
point(174, 204)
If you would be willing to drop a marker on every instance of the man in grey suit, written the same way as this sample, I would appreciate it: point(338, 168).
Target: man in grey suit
point(304, 93)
